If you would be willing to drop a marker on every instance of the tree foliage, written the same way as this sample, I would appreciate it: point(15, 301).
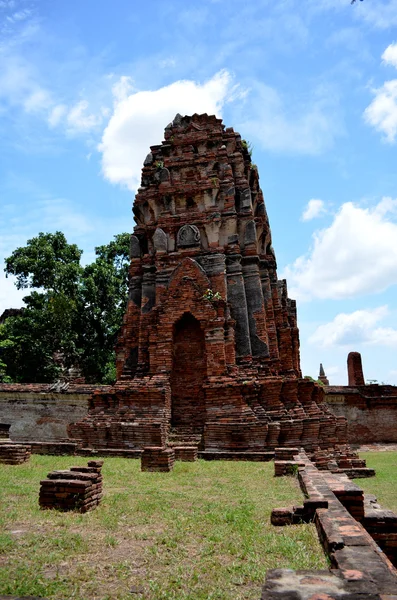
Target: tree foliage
point(72, 314)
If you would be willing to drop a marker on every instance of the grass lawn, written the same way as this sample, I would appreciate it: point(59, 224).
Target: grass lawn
point(201, 532)
point(384, 485)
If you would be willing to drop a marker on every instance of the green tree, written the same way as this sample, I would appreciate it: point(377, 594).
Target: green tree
point(103, 295)
point(71, 317)
point(48, 262)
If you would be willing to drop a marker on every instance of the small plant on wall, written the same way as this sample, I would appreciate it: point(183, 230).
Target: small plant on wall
point(211, 296)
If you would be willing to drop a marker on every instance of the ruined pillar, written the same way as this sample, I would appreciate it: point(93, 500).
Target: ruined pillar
point(355, 369)
point(255, 306)
point(270, 321)
point(238, 304)
point(147, 303)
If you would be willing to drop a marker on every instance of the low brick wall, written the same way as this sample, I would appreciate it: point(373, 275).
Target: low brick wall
point(39, 412)
point(370, 410)
point(344, 522)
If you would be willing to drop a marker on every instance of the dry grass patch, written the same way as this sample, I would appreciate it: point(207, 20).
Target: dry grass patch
point(200, 532)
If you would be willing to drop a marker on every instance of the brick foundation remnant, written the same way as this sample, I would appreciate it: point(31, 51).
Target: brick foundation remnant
point(209, 345)
point(10, 452)
point(348, 524)
point(79, 488)
point(157, 459)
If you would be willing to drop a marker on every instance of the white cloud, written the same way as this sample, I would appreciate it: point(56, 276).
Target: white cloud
point(293, 127)
point(19, 15)
point(356, 254)
point(56, 114)
point(390, 55)
point(380, 14)
point(37, 100)
point(139, 118)
point(315, 208)
point(382, 112)
point(21, 86)
point(359, 327)
point(122, 89)
point(79, 119)
point(167, 63)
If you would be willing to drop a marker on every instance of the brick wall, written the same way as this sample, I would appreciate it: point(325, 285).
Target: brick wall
point(37, 412)
point(370, 410)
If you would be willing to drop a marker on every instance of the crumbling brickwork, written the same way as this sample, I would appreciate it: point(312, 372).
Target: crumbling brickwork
point(209, 340)
point(79, 488)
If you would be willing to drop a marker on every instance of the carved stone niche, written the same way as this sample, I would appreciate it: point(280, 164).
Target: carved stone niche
point(245, 199)
point(160, 242)
point(164, 174)
point(188, 235)
point(161, 175)
point(135, 247)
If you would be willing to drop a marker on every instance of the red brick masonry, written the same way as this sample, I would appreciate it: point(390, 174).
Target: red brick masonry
point(347, 524)
point(14, 454)
point(79, 488)
point(157, 459)
point(209, 341)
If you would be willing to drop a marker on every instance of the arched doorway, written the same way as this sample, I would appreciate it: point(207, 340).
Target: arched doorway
point(188, 374)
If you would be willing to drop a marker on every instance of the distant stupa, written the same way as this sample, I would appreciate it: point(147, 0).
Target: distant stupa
point(322, 376)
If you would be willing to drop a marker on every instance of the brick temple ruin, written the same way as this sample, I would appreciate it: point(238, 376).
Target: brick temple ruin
point(209, 347)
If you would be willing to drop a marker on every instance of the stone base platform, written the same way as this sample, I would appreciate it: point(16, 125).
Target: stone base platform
point(156, 458)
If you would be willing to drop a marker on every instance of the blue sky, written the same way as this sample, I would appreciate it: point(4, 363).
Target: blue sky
point(86, 88)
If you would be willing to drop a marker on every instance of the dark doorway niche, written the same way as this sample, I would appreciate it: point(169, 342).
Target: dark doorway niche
point(188, 374)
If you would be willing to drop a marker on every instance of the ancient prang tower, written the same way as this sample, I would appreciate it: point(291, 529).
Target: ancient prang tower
point(209, 345)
